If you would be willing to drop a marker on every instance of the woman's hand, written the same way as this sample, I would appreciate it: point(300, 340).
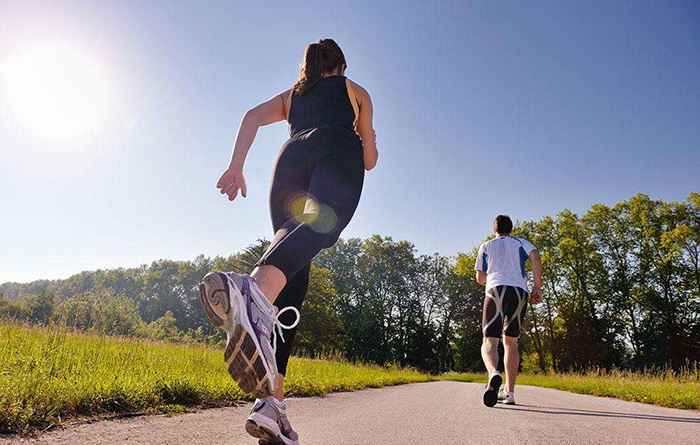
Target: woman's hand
point(264, 114)
point(231, 181)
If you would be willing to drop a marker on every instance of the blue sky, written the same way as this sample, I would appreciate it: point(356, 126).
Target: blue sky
point(480, 108)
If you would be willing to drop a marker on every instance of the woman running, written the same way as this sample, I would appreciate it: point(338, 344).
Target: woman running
point(316, 186)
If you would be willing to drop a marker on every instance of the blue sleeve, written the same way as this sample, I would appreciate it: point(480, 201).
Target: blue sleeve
point(482, 259)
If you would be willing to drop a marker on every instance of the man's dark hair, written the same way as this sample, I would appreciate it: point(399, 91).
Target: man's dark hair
point(503, 225)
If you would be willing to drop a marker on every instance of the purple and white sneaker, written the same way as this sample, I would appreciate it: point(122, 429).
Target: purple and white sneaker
point(268, 422)
point(235, 304)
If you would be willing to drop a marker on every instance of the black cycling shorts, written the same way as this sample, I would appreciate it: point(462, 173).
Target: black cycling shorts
point(504, 310)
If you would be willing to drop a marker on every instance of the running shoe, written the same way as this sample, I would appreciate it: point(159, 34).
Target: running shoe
point(235, 304)
point(268, 422)
point(501, 395)
point(491, 393)
point(509, 399)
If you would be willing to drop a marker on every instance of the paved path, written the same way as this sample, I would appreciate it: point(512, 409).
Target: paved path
point(423, 413)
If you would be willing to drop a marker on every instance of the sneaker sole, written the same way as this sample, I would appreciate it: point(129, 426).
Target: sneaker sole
point(265, 435)
point(219, 296)
point(245, 364)
point(491, 393)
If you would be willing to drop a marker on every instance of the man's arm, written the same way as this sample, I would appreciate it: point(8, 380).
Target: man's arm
point(481, 265)
point(481, 277)
point(536, 294)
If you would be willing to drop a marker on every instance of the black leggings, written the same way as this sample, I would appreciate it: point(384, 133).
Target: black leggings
point(316, 186)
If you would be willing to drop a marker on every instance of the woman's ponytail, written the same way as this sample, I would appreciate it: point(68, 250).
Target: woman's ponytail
point(324, 56)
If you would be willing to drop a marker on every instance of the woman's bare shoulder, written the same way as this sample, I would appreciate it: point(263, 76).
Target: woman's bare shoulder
point(357, 89)
point(286, 94)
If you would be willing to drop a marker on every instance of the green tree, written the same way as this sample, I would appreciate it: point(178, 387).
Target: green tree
point(40, 305)
point(102, 313)
point(320, 329)
point(163, 328)
point(14, 310)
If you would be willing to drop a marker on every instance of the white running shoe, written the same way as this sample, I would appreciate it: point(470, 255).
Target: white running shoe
point(501, 395)
point(509, 399)
point(268, 422)
point(235, 304)
point(491, 393)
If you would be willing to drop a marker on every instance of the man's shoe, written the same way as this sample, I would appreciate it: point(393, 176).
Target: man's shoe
point(491, 393)
point(509, 399)
point(501, 395)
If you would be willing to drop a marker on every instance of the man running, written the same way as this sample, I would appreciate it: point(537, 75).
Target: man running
point(500, 265)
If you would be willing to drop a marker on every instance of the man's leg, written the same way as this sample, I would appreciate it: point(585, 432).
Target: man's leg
point(489, 353)
point(492, 327)
point(512, 360)
point(514, 305)
point(514, 308)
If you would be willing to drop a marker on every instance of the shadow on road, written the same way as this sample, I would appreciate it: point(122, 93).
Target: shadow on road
point(583, 412)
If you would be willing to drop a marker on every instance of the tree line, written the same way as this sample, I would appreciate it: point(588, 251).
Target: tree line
point(621, 288)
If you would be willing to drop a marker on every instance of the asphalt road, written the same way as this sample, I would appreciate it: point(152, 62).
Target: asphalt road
point(424, 413)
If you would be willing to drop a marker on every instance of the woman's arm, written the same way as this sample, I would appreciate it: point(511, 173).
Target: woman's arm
point(364, 126)
point(264, 114)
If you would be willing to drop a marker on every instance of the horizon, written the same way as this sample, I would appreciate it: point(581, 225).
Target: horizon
point(120, 119)
point(149, 262)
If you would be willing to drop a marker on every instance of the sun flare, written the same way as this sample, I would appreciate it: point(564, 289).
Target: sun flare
point(56, 91)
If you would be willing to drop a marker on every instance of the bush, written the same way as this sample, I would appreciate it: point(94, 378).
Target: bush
point(101, 312)
point(14, 310)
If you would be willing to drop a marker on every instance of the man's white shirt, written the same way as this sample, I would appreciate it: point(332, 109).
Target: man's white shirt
point(503, 260)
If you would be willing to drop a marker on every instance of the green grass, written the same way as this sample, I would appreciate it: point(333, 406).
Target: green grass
point(663, 388)
point(49, 376)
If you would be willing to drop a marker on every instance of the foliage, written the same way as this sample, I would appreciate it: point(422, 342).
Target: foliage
point(622, 286)
point(101, 312)
point(621, 290)
point(321, 332)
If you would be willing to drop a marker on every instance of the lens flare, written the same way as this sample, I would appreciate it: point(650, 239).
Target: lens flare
point(304, 208)
point(298, 205)
point(326, 220)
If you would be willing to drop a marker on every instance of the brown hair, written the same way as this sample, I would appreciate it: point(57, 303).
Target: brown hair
point(503, 224)
point(324, 56)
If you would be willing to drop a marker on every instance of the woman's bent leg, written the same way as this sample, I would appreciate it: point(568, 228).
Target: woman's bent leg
point(333, 195)
point(290, 183)
point(270, 281)
point(292, 295)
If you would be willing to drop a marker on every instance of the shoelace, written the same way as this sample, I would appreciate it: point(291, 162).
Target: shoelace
point(278, 325)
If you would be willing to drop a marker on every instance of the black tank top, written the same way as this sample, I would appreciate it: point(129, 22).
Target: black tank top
point(326, 103)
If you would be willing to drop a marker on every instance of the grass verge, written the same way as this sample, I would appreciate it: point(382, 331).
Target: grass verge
point(50, 375)
point(663, 388)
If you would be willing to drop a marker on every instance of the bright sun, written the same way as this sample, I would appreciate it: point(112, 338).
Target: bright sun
point(56, 91)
